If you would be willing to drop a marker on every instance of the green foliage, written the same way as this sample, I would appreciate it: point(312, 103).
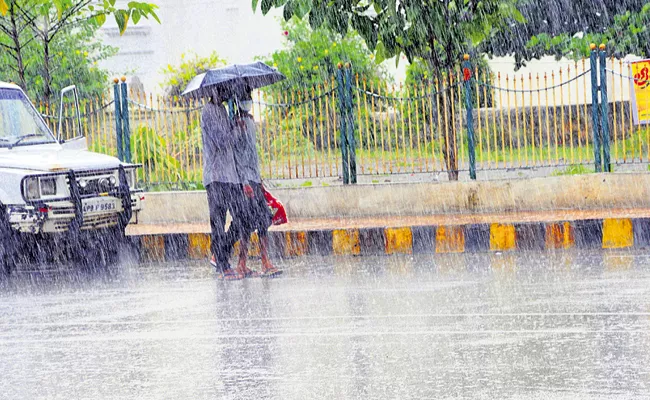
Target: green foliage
point(419, 72)
point(573, 170)
point(629, 34)
point(168, 162)
point(437, 31)
point(150, 149)
point(75, 58)
point(34, 33)
point(292, 136)
point(310, 57)
point(567, 19)
point(188, 140)
point(178, 76)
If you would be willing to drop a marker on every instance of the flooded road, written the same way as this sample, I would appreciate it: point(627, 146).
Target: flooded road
point(530, 325)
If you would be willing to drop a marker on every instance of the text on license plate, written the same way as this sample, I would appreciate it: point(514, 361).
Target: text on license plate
point(99, 206)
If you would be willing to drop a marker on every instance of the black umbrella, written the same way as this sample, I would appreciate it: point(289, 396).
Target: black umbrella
point(247, 76)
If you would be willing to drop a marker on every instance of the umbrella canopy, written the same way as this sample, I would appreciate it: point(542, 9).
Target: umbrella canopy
point(249, 76)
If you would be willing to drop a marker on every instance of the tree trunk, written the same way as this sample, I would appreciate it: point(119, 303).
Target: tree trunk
point(47, 77)
point(448, 134)
point(15, 37)
point(445, 108)
point(47, 74)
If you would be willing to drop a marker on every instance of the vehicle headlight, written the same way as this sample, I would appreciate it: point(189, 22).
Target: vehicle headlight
point(31, 189)
point(48, 186)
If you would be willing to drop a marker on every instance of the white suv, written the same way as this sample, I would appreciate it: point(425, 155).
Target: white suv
point(57, 200)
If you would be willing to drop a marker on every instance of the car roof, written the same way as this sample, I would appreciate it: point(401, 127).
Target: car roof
point(6, 85)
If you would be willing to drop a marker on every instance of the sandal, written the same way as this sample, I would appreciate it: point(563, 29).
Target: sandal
point(251, 273)
point(271, 273)
point(230, 275)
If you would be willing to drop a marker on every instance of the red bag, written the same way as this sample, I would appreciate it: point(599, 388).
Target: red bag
point(277, 209)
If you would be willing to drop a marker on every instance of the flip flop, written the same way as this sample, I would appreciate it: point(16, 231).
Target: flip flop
point(252, 274)
point(271, 273)
point(230, 275)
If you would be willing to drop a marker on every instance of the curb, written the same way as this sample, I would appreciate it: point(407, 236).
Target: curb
point(476, 238)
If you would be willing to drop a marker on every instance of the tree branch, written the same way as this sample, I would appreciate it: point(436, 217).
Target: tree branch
point(28, 41)
point(79, 20)
point(6, 30)
point(72, 11)
point(27, 23)
point(11, 49)
point(32, 18)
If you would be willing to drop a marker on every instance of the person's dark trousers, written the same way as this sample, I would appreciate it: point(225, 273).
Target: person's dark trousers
point(223, 197)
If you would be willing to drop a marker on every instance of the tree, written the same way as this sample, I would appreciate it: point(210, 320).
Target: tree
point(437, 31)
point(552, 26)
point(46, 20)
point(629, 33)
point(75, 58)
point(310, 57)
point(13, 39)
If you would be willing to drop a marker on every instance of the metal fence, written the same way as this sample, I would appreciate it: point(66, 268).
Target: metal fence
point(466, 120)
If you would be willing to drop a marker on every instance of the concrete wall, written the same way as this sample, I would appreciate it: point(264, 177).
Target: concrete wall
point(591, 191)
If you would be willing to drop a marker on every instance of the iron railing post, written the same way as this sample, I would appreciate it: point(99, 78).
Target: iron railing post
point(342, 123)
point(126, 127)
point(467, 78)
point(593, 59)
point(349, 110)
point(604, 110)
point(118, 119)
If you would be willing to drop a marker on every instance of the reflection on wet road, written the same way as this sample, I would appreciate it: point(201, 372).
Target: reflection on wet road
point(529, 325)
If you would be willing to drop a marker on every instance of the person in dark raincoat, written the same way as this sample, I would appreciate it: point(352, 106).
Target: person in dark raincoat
point(222, 181)
point(255, 213)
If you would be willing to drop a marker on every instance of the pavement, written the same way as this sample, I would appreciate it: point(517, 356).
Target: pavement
point(443, 233)
point(479, 326)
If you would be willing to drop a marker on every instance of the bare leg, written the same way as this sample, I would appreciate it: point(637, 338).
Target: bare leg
point(243, 256)
point(264, 249)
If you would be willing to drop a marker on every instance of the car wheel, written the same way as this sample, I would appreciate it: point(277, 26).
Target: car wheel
point(107, 244)
point(7, 245)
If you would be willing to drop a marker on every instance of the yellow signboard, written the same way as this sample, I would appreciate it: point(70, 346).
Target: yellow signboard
point(640, 89)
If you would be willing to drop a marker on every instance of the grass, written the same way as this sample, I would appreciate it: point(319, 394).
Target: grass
point(573, 170)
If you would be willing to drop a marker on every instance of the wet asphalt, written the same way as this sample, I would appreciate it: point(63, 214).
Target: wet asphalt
point(500, 326)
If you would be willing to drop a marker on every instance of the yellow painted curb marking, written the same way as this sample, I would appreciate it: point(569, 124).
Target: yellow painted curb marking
point(450, 239)
point(399, 241)
point(346, 242)
point(617, 234)
point(502, 237)
point(199, 246)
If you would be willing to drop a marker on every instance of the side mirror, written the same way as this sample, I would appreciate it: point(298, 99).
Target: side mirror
point(73, 89)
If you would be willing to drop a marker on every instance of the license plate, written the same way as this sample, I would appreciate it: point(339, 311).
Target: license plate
point(98, 206)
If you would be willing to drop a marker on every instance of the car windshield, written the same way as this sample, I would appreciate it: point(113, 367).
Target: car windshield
point(20, 124)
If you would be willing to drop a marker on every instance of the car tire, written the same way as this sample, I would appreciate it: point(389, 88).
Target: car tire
point(104, 246)
point(7, 245)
